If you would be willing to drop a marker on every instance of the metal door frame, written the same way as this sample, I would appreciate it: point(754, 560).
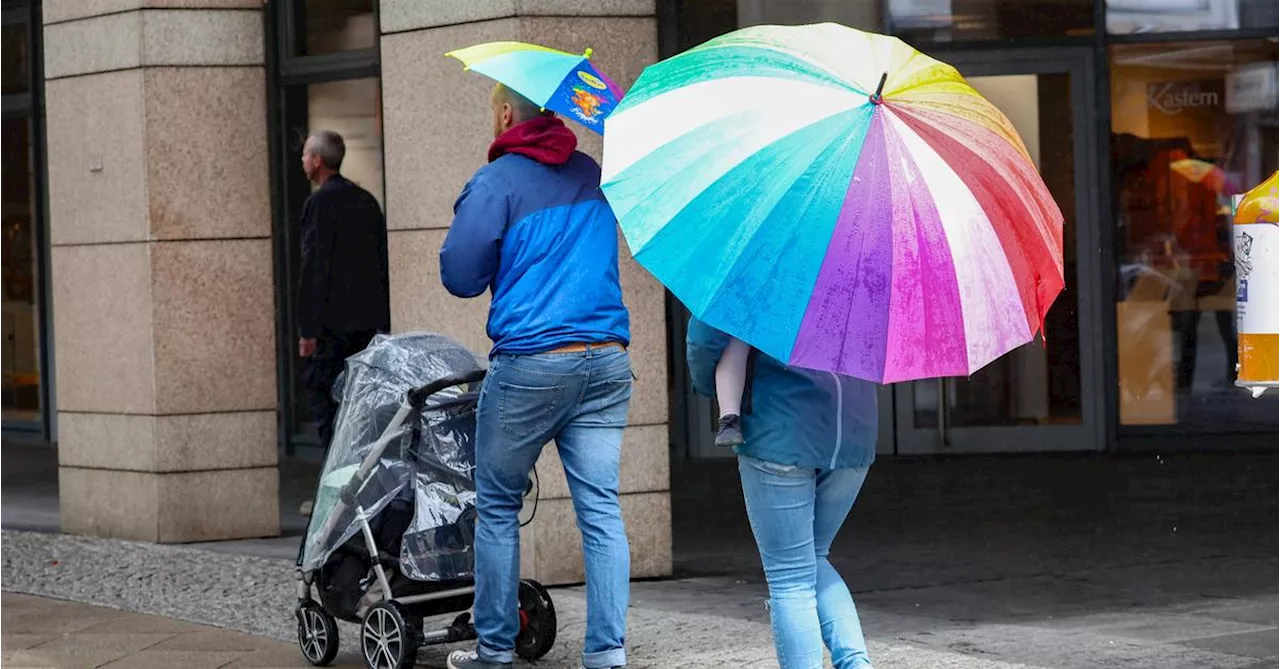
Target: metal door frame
point(1090, 434)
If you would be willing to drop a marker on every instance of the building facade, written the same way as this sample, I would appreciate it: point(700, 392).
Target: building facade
point(152, 191)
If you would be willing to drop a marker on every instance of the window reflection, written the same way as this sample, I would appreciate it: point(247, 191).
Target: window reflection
point(332, 26)
point(1191, 126)
point(956, 20)
point(860, 14)
point(21, 387)
point(1144, 16)
point(17, 58)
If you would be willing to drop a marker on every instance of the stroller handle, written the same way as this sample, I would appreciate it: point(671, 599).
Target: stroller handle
point(419, 395)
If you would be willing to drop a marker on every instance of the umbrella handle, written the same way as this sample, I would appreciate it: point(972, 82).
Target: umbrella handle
point(876, 98)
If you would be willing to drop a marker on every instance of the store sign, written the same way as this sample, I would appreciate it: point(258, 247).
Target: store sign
point(1251, 88)
point(1175, 97)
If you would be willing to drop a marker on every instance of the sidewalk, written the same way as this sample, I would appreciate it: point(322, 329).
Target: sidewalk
point(1052, 562)
point(39, 632)
point(700, 622)
point(255, 596)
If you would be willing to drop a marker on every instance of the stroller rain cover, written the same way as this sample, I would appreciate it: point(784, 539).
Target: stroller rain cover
point(435, 472)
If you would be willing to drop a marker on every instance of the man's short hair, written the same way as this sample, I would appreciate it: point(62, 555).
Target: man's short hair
point(329, 147)
point(523, 108)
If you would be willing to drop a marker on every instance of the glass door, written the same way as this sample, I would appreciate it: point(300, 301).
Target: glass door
point(1046, 395)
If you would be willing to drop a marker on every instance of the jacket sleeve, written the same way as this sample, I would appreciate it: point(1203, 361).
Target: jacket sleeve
point(313, 280)
point(471, 251)
point(703, 348)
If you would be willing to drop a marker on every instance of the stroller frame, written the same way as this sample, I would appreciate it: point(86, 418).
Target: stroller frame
point(391, 633)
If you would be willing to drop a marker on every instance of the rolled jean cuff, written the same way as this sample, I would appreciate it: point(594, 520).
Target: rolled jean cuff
point(605, 659)
point(499, 656)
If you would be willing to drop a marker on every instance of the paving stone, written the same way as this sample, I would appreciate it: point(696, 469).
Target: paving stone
point(1262, 644)
point(202, 640)
point(19, 641)
point(1177, 628)
point(169, 659)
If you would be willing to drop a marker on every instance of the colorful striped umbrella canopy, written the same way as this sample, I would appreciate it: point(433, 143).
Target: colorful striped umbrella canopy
point(1205, 172)
point(836, 199)
point(565, 83)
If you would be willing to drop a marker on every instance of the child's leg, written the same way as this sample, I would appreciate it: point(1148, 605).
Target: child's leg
point(731, 377)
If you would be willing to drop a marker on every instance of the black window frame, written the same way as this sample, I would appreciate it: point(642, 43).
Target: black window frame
point(288, 76)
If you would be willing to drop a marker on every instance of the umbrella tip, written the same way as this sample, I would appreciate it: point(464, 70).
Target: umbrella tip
point(876, 97)
point(587, 53)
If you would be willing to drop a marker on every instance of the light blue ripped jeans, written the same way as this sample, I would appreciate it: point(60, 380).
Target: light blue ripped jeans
point(795, 514)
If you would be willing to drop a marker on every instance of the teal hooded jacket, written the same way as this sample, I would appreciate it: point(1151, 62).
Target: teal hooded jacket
point(798, 417)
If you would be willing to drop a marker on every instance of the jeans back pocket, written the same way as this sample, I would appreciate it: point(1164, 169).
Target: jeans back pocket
point(524, 409)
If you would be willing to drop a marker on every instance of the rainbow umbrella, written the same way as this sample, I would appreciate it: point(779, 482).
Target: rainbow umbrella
point(1206, 173)
point(836, 199)
point(563, 82)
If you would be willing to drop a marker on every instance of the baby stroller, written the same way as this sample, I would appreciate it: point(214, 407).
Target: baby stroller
point(392, 529)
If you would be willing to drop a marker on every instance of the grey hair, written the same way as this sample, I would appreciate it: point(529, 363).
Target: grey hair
point(523, 108)
point(329, 147)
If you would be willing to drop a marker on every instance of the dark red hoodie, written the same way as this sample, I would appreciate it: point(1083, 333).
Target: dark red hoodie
point(544, 139)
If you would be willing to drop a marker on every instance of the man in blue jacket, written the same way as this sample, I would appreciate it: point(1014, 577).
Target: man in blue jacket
point(533, 229)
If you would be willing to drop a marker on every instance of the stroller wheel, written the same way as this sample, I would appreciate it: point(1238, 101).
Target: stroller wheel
point(317, 634)
point(537, 621)
point(389, 639)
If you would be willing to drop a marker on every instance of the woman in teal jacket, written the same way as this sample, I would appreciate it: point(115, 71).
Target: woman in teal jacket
point(810, 438)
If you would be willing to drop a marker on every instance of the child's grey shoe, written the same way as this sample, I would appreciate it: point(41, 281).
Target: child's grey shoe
point(730, 433)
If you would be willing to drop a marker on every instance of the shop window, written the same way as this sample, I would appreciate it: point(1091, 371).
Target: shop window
point(21, 389)
point(965, 20)
point(1148, 16)
point(1192, 124)
point(334, 26)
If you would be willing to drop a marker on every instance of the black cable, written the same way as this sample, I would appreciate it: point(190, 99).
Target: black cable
point(537, 494)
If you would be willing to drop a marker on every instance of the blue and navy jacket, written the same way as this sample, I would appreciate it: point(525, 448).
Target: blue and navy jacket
point(815, 420)
point(543, 240)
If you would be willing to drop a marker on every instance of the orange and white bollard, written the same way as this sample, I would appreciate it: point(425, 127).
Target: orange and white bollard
point(1257, 250)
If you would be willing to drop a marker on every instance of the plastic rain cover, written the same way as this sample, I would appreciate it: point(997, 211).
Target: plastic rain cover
point(374, 415)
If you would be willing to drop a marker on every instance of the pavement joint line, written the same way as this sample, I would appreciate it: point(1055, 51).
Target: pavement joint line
point(1057, 574)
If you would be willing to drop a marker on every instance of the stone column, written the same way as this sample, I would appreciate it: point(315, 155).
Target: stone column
point(162, 275)
point(437, 129)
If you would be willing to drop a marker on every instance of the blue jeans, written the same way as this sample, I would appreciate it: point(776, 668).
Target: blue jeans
point(580, 401)
point(795, 514)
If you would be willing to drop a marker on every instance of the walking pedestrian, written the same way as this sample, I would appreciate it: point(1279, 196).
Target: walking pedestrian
point(342, 298)
point(533, 228)
point(808, 441)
